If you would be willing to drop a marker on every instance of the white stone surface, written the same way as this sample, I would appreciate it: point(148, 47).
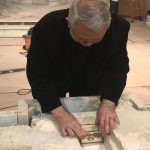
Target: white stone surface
point(43, 136)
point(139, 104)
point(94, 146)
point(81, 104)
point(133, 133)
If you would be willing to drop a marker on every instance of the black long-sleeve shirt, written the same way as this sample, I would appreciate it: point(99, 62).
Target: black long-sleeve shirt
point(57, 64)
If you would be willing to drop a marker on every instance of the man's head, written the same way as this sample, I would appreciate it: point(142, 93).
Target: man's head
point(88, 21)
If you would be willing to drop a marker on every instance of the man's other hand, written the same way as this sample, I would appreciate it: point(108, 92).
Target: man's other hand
point(107, 117)
point(68, 125)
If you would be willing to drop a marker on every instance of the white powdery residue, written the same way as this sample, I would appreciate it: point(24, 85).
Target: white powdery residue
point(11, 137)
point(134, 141)
point(53, 137)
point(43, 136)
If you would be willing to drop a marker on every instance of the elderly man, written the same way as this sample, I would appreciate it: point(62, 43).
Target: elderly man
point(81, 50)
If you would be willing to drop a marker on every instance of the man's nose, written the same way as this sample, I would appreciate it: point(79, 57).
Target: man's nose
point(87, 43)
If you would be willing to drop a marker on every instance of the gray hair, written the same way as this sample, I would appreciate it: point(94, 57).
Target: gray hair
point(92, 13)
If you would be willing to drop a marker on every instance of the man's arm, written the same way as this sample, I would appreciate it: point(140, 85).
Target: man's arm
point(40, 76)
point(114, 81)
point(67, 123)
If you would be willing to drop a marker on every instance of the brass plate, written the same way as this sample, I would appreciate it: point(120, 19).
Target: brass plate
point(92, 137)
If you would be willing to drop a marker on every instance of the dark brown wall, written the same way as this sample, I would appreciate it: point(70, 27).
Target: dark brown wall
point(124, 8)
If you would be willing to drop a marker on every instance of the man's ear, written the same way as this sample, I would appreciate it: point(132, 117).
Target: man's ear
point(68, 22)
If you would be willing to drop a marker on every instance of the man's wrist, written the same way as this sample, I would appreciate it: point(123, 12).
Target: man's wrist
point(58, 112)
point(108, 102)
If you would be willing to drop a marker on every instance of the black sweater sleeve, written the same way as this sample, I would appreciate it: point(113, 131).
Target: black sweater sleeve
point(39, 68)
point(115, 75)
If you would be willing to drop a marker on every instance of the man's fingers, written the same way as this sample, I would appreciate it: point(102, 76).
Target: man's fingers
point(107, 117)
point(102, 126)
point(79, 131)
point(117, 119)
point(107, 124)
point(102, 122)
point(75, 130)
point(63, 132)
point(102, 131)
point(107, 128)
point(70, 132)
point(112, 124)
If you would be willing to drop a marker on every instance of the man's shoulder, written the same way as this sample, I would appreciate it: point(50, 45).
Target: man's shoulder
point(119, 23)
point(51, 22)
point(57, 14)
point(52, 19)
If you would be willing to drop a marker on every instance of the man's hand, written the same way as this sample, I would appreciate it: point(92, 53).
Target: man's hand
point(67, 123)
point(107, 117)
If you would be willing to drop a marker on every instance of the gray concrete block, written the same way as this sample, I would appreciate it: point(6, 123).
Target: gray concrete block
point(8, 118)
point(27, 109)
